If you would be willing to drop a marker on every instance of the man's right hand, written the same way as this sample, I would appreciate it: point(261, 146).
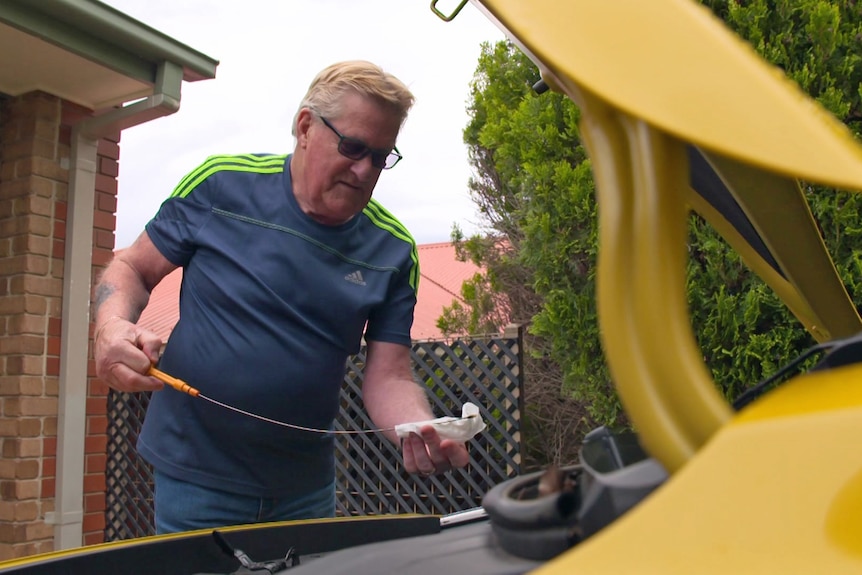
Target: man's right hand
point(124, 353)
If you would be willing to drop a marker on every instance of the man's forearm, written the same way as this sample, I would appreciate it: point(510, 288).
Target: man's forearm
point(398, 400)
point(119, 293)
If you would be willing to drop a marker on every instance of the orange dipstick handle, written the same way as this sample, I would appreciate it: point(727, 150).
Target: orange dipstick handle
point(177, 384)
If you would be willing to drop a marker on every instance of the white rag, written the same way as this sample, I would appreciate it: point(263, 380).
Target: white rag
point(455, 428)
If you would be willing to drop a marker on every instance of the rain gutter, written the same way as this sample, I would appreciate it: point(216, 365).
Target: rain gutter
point(68, 515)
point(102, 34)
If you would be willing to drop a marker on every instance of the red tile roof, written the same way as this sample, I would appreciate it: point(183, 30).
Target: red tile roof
point(439, 284)
point(441, 276)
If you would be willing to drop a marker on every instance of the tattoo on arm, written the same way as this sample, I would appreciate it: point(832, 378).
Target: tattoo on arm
point(103, 292)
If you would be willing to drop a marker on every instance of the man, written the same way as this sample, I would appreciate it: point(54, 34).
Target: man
point(287, 264)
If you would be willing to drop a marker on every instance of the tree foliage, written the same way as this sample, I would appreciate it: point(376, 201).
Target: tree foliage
point(540, 246)
point(745, 331)
point(533, 186)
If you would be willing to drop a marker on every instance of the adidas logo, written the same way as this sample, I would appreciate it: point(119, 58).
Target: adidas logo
point(355, 278)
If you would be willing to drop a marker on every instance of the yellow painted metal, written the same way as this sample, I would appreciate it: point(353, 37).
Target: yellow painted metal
point(788, 294)
point(673, 64)
point(779, 212)
point(649, 78)
point(777, 490)
point(653, 357)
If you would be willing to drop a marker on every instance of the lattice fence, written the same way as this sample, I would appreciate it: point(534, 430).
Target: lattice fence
point(369, 477)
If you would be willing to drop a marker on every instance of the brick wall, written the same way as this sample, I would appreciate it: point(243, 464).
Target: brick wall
point(35, 136)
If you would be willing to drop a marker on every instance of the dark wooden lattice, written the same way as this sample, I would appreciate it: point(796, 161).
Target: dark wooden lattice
point(369, 476)
point(129, 479)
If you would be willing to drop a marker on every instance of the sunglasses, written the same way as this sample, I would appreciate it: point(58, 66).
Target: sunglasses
point(357, 149)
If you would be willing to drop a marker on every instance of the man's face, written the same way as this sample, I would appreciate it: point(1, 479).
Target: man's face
point(332, 188)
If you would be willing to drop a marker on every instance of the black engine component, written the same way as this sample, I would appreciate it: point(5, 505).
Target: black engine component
point(540, 515)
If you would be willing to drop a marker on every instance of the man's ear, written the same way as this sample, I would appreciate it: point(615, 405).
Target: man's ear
point(304, 120)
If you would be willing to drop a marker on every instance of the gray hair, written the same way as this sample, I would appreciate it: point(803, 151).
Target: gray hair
point(325, 94)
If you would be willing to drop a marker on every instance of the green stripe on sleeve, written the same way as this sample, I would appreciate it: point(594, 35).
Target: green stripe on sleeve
point(383, 219)
point(236, 163)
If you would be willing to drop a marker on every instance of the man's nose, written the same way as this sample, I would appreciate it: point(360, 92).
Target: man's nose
point(363, 168)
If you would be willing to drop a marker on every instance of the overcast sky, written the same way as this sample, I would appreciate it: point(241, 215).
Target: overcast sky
point(269, 51)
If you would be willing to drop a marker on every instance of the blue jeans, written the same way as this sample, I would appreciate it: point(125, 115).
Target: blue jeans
point(183, 506)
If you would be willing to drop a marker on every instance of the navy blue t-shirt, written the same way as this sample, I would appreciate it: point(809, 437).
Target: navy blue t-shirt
point(271, 305)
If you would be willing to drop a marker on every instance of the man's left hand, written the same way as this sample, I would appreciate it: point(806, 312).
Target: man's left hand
point(426, 454)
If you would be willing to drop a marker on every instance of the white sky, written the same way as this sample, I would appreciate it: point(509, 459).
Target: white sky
point(269, 51)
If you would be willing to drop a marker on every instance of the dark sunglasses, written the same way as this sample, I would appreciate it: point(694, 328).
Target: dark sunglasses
point(357, 149)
